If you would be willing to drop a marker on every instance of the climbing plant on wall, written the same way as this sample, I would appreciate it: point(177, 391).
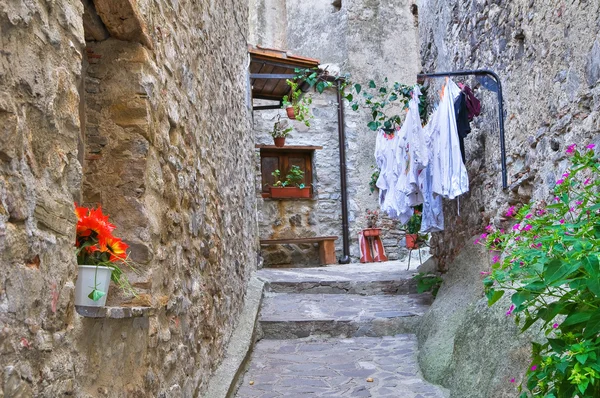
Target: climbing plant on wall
point(386, 102)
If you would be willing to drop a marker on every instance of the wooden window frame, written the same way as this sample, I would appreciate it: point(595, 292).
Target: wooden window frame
point(284, 154)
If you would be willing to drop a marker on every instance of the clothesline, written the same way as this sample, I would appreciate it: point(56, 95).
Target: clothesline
point(493, 75)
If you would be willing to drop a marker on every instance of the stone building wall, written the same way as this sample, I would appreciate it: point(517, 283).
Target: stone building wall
point(367, 39)
point(143, 112)
point(547, 54)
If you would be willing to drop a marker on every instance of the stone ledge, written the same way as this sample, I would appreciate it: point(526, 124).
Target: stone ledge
point(114, 312)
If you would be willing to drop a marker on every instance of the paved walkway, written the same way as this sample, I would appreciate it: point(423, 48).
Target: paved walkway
point(336, 368)
point(338, 331)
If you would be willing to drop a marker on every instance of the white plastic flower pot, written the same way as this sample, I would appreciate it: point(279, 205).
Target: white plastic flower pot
point(91, 276)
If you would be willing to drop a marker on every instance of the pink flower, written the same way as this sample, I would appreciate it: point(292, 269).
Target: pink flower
point(512, 380)
point(527, 227)
point(555, 325)
point(541, 212)
point(495, 259)
point(556, 198)
point(587, 181)
point(571, 148)
point(483, 236)
point(565, 175)
point(476, 242)
point(591, 146)
point(489, 228)
point(511, 211)
point(533, 368)
point(485, 273)
point(528, 216)
point(538, 245)
point(516, 227)
point(562, 221)
point(579, 203)
point(510, 310)
point(560, 181)
point(517, 238)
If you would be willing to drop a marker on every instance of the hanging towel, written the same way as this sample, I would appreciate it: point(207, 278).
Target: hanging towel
point(449, 175)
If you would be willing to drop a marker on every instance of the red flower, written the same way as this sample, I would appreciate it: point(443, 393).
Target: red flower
point(94, 232)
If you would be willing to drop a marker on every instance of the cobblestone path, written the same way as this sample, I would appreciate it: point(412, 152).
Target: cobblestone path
point(319, 342)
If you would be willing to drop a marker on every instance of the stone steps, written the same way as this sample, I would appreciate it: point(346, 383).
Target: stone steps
point(339, 331)
point(285, 316)
point(371, 279)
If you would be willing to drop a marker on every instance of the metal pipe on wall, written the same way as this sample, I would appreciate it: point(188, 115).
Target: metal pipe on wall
point(345, 259)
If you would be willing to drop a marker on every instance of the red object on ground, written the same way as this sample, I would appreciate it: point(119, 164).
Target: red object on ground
point(371, 247)
point(411, 241)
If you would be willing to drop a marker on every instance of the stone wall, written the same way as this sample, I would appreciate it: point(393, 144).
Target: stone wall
point(368, 39)
point(552, 96)
point(144, 112)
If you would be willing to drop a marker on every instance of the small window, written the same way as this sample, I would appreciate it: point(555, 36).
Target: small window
point(282, 159)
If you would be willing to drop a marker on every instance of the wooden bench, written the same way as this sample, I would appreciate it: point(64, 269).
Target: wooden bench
point(326, 246)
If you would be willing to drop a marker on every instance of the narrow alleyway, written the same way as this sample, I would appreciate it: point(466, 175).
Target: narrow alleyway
point(341, 331)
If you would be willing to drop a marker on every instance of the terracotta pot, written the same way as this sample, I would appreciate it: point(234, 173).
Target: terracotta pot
point(289, 192)
point(411, 241)
point(279, 141)
point(371, 232)
point(290, 112)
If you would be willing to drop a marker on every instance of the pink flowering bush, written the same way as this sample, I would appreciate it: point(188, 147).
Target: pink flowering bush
point(551, 268)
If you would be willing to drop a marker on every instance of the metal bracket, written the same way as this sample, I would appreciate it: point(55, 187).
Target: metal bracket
point(493, 75)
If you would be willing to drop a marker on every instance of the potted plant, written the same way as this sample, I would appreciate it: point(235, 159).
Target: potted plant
point(99, 256)
point(280, 131)
point(412, 231)
point(296, 104)
point(372, 217)
point(292, 187)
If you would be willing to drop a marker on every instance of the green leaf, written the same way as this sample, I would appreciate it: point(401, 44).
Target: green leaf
point(372, 84)
point(354, 107)
point(552, 271)
point(349, 97)
point(374, 114)
point(373, 126)
point(383, 90)
point(592, 327)
point(96, 294)
point(520, 297)
point(495, 296)
point(575, 318)
point(583, 385)
point(557, 345)
point(582, 358)
point(320, 87)
point(357, 87)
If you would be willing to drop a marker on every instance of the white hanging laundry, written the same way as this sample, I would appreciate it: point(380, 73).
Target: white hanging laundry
point(449, 174)
point(411, 155)
point(382, 164)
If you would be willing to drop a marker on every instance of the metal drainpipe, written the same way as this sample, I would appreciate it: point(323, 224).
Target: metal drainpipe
point(345, 259)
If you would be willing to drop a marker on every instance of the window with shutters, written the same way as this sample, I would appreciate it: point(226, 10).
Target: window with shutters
point(273, 158)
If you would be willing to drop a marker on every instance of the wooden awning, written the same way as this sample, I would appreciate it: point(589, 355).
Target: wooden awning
point(269, 68)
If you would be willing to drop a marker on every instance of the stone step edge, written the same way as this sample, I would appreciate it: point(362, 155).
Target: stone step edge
point(378, 327)
point(391, 287)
